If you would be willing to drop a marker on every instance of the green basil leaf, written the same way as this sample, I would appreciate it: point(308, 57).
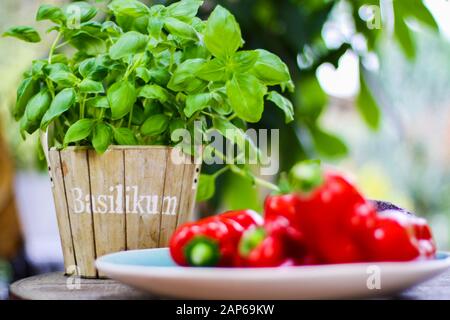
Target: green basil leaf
point(80, 11)
point(184, 10)
point(220, 104)
point(213, 70)
point(38, 105)
point(27, 89)
point(25, 33)
point(87, 43)
point(125, 137)
point(27, 126)
point(243, 61)
point(121, 96)
point(38, 67)
point(236, 135)
point(195, 51)
point(138, 116)
point(160, 76)
point(180, 29)
point(62, 102)
point(111, 28)
point(91, 86)
point(270, 69)
point(56, 67)
point(132, 8)
point(60, 58)
point(79, 130)
point(184, 79)
point(206, 187)
point(154, 27)
point(101, 138)
point(143, 73)
point(155, 125)
point(284, 104)
point(222, 35)
point(129, 43)
point(153, 91)
point(176, 124)
point(246, 95)
point(93, 28)
point(98, 102)
point(64, 79)
point(50, 12)
point(93, 69)
point(197, 102)
point(152, 107)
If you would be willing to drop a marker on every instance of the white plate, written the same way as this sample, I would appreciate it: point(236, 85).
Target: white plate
point(153, 270)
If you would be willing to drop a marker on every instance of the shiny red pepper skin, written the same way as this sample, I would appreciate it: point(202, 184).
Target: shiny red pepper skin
point(398, 236)
point(264, 250)
point(329, 216)
point(280, 216)
point(281, 220)
point(220, 233)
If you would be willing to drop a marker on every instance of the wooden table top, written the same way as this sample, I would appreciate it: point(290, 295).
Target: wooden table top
point(55, 286)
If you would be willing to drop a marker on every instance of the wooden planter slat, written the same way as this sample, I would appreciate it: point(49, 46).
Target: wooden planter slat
point(62, 216)
point(172, 194)
point(145, 172)
point(147, 195)
point(187, 199)
point(107, 180)
point(76, 179)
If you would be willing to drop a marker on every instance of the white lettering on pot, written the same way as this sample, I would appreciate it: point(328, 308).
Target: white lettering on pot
point(135, 202)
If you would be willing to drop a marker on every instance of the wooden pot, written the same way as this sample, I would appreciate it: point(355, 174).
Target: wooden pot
point(130, 197)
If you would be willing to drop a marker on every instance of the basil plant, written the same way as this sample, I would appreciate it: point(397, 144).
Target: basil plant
point(138, 73)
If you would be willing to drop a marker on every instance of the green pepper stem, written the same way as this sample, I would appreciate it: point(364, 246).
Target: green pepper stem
point(305, 176)
point(202, 252)
point(250, 240)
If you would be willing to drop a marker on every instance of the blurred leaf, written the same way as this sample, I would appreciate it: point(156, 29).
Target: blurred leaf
point(366, 104)
point(416, 9)
point(206, 187)
point(327, 143)
point(311, 97)
point(25, 33)
point(233, 189)
point(403, 34)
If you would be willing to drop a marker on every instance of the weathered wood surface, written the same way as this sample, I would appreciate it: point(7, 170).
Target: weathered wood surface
point(437, 288)
point(106, 172)
point(170, 209)
point(127, 198)
point(56, 286)
point(75, 170)
point(145, 172)
point(61, 209)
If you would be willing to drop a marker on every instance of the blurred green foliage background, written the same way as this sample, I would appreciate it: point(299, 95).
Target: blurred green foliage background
point(391, 133)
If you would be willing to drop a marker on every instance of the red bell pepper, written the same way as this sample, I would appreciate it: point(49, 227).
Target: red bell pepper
point(329, 217)
point(281, 220)
point(258, 249)
point(399, 236)
point(212, 241)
